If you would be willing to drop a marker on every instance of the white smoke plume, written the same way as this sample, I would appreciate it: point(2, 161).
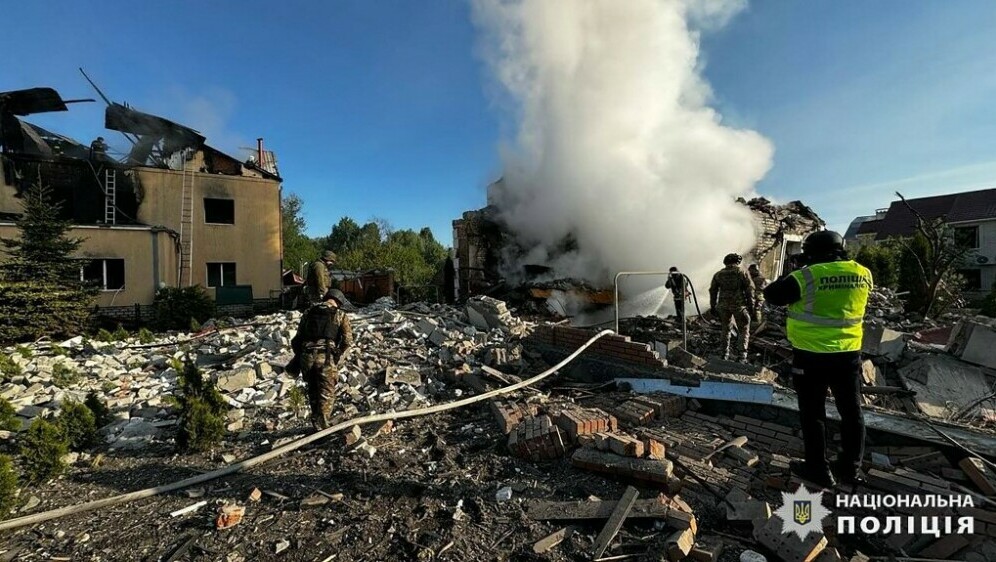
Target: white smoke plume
point(614, 143)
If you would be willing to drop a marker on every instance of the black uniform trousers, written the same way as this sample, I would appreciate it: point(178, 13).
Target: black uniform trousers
point(813, 375)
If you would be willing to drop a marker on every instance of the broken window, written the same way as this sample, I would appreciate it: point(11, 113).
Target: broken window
point(106, 273)
point(220, 274)
point(219, 211)
point(973, 279)
point(967, 237)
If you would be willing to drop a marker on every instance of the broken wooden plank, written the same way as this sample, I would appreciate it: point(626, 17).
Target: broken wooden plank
point(979, 474)
point(615, 520)
point(541, 510)
point(544, 545)
point(642, 469)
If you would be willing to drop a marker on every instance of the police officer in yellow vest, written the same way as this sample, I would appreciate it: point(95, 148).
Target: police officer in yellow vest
point(826, 306)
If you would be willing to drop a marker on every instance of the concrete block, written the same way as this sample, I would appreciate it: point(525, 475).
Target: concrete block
point(880, 341)
point(680, 544)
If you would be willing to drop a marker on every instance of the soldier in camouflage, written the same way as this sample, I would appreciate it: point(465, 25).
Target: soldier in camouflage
point(318, 280)
point(322, 339)
point(731, 296)
point(759, 284)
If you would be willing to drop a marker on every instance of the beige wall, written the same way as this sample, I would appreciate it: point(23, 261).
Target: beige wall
point(253, 242)
point(137, 246)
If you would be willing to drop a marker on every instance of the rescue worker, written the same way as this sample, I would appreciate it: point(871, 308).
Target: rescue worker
point(318, 280)
point(826, 301)
point(731, 297)
point(322, 339)
point(676, 282)
point(759, 284)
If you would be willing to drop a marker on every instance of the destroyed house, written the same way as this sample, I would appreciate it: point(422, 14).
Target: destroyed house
point(171, 212)
point(479, 240)
point(971, 216)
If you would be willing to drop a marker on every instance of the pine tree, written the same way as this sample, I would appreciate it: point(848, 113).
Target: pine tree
point(40, 289)
point(43, 253)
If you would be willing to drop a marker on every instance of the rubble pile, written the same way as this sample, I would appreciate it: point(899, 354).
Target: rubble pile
point(409, 358)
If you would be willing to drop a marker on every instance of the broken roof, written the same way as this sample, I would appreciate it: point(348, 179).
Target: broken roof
point(31, 100)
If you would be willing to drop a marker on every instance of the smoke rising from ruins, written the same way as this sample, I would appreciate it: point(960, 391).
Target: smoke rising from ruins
point(615, 146)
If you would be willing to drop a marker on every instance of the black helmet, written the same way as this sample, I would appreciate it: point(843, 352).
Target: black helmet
point(733, 259)
point(337, 295)
point(823, 243)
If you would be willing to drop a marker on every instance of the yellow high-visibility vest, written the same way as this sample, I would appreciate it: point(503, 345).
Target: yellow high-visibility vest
point(828, 318)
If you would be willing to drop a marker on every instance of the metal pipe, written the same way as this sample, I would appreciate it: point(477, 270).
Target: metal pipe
point(615, 298)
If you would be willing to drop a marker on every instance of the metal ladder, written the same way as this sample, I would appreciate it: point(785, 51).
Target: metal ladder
point(186, 226)
point(110, 195)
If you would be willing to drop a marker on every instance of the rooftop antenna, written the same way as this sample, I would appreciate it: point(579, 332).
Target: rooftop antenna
point(107, 101)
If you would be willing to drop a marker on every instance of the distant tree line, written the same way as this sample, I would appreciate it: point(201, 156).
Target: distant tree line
point(415, 257)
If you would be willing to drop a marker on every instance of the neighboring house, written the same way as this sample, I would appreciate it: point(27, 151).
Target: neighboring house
point(173, 211)
point(972, 216)
point(862, 230)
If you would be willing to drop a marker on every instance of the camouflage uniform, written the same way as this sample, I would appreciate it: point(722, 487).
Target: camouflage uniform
point(731, 295)
point(322, 338)
point(316, 283)
point(759, 284)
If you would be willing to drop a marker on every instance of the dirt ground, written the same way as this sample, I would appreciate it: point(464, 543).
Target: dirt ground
point(427, 494)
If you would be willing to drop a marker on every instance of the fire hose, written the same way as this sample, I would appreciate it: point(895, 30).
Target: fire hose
point(287, 448)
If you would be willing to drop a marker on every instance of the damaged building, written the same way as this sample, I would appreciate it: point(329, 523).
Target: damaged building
point(172, 212)
point(480, 241)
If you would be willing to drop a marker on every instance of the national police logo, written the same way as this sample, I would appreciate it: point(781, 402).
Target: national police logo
point(802, 512)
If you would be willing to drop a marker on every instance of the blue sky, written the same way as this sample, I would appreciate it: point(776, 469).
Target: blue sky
point(380, 109)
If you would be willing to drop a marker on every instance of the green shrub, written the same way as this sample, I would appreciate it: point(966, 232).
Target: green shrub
point(63, 376)
point(177, 307)
point(8, 369)
point(42, 451)
point(8, 486)
point(104, 335)
point(8, 416)
point(25, 351)
point(78, 425)
point(146, 336)
point(101, 414)
point(296, 400)
point(120, 334)
point(59, 351)
point(883, 262)
point(202, 411)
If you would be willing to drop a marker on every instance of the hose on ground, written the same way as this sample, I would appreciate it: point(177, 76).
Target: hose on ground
point(284, 449)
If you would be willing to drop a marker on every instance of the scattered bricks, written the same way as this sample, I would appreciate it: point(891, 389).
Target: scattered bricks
point(353, 436)
point(640, 469)
point(634, 413)
point(659, 402)
point(680, 544)
point(536, 438)
point(743, 456)
point(945, 548)
point(654, 448)
point(788, 547)
point(625, 445)
point(677, 519)
point(575, 422)
point(509, 414)
point(979, 474)
point(229, 516)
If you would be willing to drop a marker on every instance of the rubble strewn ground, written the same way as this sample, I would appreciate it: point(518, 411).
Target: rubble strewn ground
point(533, 475)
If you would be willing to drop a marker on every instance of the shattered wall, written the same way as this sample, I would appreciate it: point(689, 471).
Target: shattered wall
point(780, 231)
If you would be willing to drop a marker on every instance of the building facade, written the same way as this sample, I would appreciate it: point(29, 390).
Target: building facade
point(172, 212)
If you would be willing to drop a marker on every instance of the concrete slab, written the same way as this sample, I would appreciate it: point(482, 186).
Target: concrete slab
point(944, 385)
point(710, 390)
